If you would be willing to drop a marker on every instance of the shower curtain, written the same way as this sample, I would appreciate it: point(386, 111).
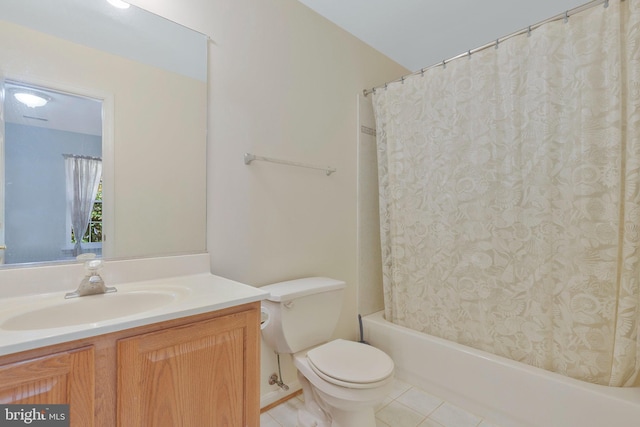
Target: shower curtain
point(509, 197)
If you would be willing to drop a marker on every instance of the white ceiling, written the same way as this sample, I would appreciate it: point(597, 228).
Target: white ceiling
point(420, 33)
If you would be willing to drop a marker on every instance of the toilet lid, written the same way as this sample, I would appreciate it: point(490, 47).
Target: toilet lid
point(347, 362)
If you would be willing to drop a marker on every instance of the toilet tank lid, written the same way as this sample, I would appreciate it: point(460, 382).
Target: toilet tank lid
point(292, 289)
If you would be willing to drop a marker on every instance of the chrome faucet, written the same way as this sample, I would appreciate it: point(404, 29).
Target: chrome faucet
point(92, 283)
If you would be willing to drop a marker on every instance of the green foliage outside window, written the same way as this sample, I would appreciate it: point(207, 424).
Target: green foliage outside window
point(94, 229)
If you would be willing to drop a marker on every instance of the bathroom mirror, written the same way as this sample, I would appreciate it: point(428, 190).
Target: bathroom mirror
point(123, 86)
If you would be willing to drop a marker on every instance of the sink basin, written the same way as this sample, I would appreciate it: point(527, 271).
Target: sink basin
point(90, 309)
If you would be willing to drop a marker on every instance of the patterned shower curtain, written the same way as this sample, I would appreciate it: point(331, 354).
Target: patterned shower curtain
point(510, 197)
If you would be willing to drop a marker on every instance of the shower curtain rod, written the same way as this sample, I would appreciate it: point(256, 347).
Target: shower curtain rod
point(76, 156)
point(565, 16)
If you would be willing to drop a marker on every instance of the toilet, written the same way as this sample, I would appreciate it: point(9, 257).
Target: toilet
point(341, 380)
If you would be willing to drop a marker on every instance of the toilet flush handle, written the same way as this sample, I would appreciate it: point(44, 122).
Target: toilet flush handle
point(288, 304)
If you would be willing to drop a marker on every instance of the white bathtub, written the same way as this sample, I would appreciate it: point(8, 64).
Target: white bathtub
point(504, 392)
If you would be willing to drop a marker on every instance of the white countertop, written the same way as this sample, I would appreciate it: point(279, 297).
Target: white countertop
point(184, 295)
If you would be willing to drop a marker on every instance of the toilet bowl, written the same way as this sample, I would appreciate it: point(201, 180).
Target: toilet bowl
point(345, 380)
point(342, 380)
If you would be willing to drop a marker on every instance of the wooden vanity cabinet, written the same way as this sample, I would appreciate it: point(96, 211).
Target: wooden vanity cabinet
point(190, 375)
point(66, 377)
point(196, 371)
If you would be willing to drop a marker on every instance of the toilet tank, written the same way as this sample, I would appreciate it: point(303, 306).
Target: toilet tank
point(301, 313)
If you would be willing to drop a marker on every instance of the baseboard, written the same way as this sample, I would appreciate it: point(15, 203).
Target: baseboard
point(281, 401)
point(277, 396)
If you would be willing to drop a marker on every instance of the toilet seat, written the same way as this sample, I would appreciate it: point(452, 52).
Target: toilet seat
point(350, 364)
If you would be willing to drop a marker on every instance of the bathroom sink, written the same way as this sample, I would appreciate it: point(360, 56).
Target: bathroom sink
point(35, 320)
point(91, 309)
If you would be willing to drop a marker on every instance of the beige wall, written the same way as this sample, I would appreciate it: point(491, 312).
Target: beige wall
point(284, 83)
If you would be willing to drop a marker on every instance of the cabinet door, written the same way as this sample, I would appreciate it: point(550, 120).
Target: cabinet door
point(60, 378)
point(195, 375)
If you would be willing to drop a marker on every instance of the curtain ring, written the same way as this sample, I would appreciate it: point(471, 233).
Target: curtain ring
point(529, 31)
point(566, 16)
point(469, 52)
point(402, 80)
point(422, 72)
point(444, 64)
point(497, 42)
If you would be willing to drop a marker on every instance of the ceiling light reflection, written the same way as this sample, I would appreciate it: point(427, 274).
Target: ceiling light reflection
point(30, 100)
point(119, 4)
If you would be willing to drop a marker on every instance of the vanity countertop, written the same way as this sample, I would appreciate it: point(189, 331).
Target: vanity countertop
point(33, 321)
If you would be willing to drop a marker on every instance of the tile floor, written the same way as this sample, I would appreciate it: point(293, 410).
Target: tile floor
point(406, 406)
